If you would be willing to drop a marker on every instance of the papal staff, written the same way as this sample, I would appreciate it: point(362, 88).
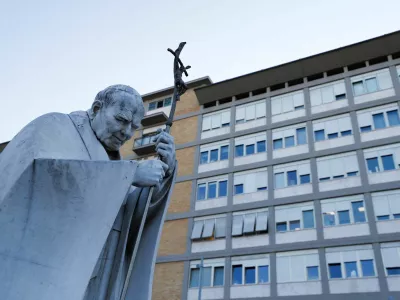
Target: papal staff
point(179, 89)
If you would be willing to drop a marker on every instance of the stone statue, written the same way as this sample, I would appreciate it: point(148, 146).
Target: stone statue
point(70, 208)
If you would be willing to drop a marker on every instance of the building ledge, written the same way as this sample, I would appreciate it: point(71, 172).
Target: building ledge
point(153, 119)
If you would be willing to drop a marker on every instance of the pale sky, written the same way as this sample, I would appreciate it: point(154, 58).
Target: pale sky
point(56, 55)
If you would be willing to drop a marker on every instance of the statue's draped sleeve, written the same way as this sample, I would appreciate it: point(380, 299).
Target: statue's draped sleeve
point(58, 203)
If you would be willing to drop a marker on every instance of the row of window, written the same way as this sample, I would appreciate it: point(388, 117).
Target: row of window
point(299, 266)
point(288, 106)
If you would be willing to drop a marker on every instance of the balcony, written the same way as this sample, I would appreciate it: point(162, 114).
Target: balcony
point(145, 145)
point(154, 118)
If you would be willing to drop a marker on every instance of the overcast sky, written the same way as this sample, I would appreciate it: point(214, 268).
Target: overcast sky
point(56, 55)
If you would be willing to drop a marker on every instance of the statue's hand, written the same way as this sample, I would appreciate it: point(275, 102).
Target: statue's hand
point(165, 148)
point(149, 173)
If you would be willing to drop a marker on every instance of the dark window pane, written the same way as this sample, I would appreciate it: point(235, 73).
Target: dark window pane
point(367, 267)
point(358, 88)
point(289, 141)
point(214, 155)
point(263, 188)
point(263, 274)
point(218, 276)
point(329, 219)
point(373, 165)
point(294, 225)
point(396, 216)
point(351, 269)
point(371, 84)
point(308, 219)
point(340, 97)
point(358, 211)
point(299, 107)
point(335, 271)
point(305, 178)
point(238, 189)
point(349, 174)
point(212, 190)
point(332, 135)
point(278, 144)
point(239, 151)
point(319, 135)
point(206, 276)
point(292, 178)
point(344, 217)
point(204, 157)
point(225, 124)
point(301, 136)
point(379, 121)
point(159, 104)
point(249, 149)
point(167, 101)
point(365, 128)
point(240, 121)
point(393, 271)
point(250, 275)
point(388, 162)
point(224, 152)
point(237, 274)
point(201, 191)
point(152, 105)
point(346, 133)
point(393, 117)
point(324, 179)
point(281, 227)
point(223, 186)
point(261, 146)
point(383, 218)
point(312, 273)
point(338, 176)
point(194, 277)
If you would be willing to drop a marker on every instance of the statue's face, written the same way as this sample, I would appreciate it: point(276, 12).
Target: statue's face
point(116, 123)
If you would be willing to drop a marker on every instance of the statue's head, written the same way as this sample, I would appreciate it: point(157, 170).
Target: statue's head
point(115, 115)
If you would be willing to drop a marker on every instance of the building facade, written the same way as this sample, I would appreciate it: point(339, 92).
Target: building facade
point(288, 180)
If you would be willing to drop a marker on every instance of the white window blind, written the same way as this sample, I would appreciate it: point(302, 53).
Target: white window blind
point(260, 109)
point(237, 225)
point(262, 221)
point(216, 121)
point(225, 117)
point(208, 230)
point(197, 229)
point(249, 223)
point(240, 113)
point(250, 112)
point(206, 123)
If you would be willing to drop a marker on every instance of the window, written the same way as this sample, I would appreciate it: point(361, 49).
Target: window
point(313, 273)
point(263, 274)
point(351, 269)
point(218, 276)
point(358, 211)
point(250, 223)
point(329, 219)
point(335, 271)
point(371, 84)
point(367, 267)
point(365, 128)
point(394, 271)
point(358, 88)
point(379, 121)
point(261, 146)
point(340, 97)
point(301, 136)
point(396, 216)
point(383, 218)
point(279, 180)
point(204, 157)
point(344, 217)
point(281, 227)
point(194, 277)
point(308, 219)
point(224, 152)
point(387, 162)
point(386, 205)
point(327, 93)
point(337, 166)
point(237, 274)
point(212, 190)
point(250, 275)
point(250, 112)
point(349, 174)
point(160, 103)
point(215, 121)
point(287, 103)
point(223, 185)
point(333, 135)
point(292, 178)
point(393, 117)
point(214, 155)
point(249, 149)
point(289, 141)
point(278, 144)
point(346, 133)
point(239, 151)
point(238, 189)
point(209, 228)
point(305, 179)
point(319, 135)
point(201, 191)
point(373, 165)
point(294, 225)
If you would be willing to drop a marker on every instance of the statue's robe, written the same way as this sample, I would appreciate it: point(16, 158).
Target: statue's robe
point(69, 216)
